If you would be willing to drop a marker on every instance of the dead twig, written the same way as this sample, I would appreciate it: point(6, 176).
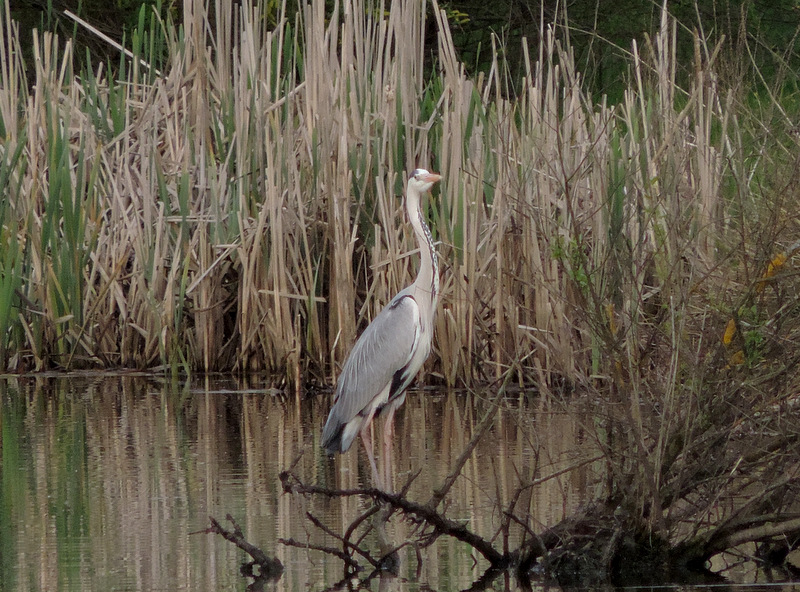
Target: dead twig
point(352, 528)
point(270, 567)
point(345, 540)
point(352, 563)
point(440, 523)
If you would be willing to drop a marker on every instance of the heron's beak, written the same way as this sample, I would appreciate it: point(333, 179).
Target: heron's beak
point(432, 178)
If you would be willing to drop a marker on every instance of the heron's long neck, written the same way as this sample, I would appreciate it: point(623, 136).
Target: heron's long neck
point(428, 277)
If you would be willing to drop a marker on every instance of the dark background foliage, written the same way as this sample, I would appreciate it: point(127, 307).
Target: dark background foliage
point(761, 33)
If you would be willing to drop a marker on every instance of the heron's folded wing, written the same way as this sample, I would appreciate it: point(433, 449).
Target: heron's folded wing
point(386, 346)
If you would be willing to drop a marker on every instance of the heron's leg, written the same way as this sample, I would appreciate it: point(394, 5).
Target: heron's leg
point(390, 560)
point(367, 441)
point(368, 444)
point(388, 433)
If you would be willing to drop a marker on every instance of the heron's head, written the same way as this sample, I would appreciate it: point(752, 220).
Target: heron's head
point(423, 180)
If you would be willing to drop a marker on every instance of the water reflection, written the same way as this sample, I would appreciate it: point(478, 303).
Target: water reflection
point(105, 477)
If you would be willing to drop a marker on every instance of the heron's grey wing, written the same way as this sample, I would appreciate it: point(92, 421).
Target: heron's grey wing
point(386, 346)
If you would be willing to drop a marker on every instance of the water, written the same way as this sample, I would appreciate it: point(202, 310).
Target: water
point(105, 482)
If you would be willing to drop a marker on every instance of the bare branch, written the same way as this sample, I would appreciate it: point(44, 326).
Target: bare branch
point(270, 567)
point(440, 523)
point(762, 532)
point(329, 550)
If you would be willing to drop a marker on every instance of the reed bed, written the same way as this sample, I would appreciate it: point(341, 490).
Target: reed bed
point(228, 199)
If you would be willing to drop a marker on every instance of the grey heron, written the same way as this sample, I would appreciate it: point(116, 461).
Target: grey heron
point(392, 349)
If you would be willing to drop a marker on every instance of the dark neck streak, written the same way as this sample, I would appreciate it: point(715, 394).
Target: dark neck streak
point(434, 287)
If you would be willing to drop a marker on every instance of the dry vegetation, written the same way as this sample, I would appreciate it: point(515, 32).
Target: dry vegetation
point(238, 209)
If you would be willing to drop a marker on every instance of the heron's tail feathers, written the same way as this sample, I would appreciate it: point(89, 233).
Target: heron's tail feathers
point(332, 438)
point(338, 436)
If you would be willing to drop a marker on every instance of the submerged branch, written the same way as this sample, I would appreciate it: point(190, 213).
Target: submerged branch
point(271, 568)
point(440, 523)
point(346, 559)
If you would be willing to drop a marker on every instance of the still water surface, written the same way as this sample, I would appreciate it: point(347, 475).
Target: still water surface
point(105, 481)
